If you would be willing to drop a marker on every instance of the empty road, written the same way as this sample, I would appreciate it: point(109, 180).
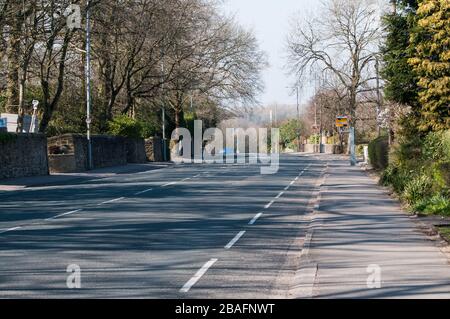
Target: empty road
point(214, 231)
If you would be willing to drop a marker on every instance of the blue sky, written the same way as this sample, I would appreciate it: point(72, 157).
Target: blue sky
point(269, 19)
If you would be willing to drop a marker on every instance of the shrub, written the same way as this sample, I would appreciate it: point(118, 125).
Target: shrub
point(125, 126)
point(438, 204)
point(379, 152)
point(417, 189)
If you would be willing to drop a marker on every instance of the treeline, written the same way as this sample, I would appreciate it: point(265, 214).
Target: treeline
point(146, 55)
point(416, 70)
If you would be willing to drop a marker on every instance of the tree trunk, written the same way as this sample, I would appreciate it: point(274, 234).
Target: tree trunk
point(13, 53)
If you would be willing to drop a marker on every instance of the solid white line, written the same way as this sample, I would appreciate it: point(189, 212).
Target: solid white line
point(143, 192)
point(253, 221)
point(11, 229)
point(287, 187)
point(186, 179)
point(65, 214)
point(112, 201)
point(198, 275)
point(292, 183)
point(268, 205)
point(169, 184)
point(296, 179)
point(235, 239)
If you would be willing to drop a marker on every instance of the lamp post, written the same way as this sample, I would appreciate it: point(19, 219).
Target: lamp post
point(88, 83)
point(297, 89)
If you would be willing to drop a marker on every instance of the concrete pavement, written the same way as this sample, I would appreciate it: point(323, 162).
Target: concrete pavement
point(359, 231)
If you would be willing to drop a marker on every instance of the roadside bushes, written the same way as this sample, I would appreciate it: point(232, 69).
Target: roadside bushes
point(419, 171)
point(125, 126)
point(379, 152)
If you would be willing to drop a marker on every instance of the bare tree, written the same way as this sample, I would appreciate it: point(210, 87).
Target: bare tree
point(343, 42)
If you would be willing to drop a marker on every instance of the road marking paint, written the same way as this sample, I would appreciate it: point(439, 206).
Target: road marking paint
point(270, 204)
point(235, 239)
point(11, 229)
point(143, 192)
point(112, 201)
point(186, 179)
point(296, 179)
point(198, 175)
point(292, 183)
point(198, 275)
point(65, 214)
point(279, 195)
point(253, 221)
point(169, 184)
point(287, 187)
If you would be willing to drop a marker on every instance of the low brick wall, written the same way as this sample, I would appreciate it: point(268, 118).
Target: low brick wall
point(69, 153)
point(23, 155)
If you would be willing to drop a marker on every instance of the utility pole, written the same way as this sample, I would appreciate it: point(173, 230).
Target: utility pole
point(163, 110)
point(88, 83)
point(379, 102)
point(299, 133)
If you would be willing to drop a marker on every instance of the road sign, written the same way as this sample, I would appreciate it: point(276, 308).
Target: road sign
point(3, 122)
point(342, 121)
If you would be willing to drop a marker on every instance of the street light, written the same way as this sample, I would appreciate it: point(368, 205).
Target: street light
point(88, 83)
point(297, 89)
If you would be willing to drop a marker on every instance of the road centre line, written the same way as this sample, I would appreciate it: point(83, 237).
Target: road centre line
point(235, 239)
point(11, 229)
point(169, 184)
point(253, 221)
point(112, 201)
point(198, 275)
point(143, 192)
point(65, 214)
point(270, 204)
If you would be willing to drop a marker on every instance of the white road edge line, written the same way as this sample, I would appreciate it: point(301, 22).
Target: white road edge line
point(253, 221)
point(143, 192)
point(198, 275)
point(112, 201)
point(65, 214)
point(235, 239)
point(279, 195)
point(11, 229)
point(270, 204)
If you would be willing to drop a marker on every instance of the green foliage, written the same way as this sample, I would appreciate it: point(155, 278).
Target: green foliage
point(436, 205)
point(419, 171)
point(125, 126)
point(379, 152)
point(401, 80)
point(417, 188)
point(289, 132)
point(430, 40)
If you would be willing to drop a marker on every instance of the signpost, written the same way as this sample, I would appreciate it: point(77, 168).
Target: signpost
point(343, 124)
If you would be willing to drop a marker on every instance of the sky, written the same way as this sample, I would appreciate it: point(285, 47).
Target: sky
point(269, 20)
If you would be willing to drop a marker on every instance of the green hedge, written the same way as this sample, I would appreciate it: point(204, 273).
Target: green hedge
point(379, 152)
point(419, 171)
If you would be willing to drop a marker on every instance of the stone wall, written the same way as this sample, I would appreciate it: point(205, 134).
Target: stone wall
point(154, 149)
point(326, 148)
point(136, 150)
point(23, 155)
point(69, 153)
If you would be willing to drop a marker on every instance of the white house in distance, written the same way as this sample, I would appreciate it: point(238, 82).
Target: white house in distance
point(11, 123)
